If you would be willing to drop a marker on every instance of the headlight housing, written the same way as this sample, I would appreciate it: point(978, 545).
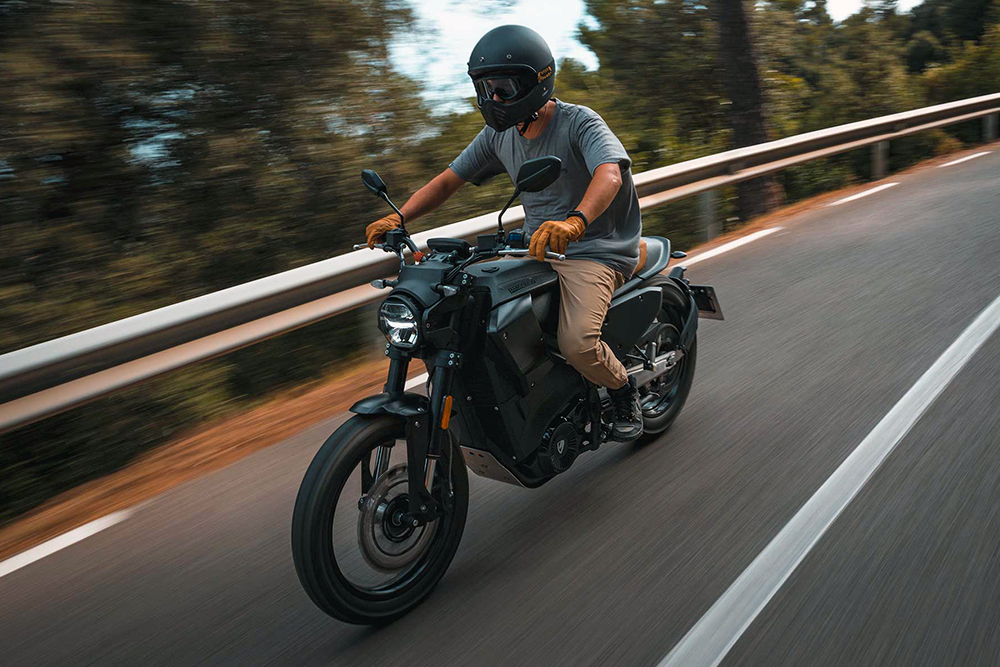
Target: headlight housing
point(400, 324)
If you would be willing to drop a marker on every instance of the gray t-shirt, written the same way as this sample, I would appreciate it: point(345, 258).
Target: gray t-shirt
point(583, 141)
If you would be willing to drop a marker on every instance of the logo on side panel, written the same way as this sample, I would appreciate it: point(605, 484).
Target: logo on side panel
point(519, 285)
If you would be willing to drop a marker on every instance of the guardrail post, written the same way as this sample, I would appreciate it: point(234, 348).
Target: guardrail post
point(990, 127)
point(706, 211)
point(880, 159)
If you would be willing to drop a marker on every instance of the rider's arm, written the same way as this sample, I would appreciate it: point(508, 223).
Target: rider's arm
point(432, 195)
point(557, 234)
point(601, 191)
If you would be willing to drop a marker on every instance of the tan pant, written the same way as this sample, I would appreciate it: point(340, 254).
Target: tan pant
point(586, 288)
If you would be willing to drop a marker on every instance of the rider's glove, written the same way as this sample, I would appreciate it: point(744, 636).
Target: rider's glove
point(556, 234)
point(376, 231)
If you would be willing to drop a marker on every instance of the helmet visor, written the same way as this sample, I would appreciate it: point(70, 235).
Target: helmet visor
point(502, 88)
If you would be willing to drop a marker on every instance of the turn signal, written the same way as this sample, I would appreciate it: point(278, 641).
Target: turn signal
point(418, 256)
point(446, 416)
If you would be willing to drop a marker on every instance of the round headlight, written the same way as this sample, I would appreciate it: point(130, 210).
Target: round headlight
point(399, 323)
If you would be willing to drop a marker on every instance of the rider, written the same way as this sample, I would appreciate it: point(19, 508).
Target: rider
point(591, 213)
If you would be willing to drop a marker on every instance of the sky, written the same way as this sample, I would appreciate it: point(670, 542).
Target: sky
point(451, 28)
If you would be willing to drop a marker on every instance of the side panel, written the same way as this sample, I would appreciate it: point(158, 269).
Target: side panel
point(509, 393)
point(517, 338)
point(628, 318)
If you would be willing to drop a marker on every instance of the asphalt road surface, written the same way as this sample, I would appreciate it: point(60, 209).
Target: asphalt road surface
point(829, 323)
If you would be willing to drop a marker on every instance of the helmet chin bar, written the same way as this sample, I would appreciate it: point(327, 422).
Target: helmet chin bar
point(502, 117)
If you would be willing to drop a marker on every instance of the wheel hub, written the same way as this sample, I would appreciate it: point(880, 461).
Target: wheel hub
point(392, 516)
point(658, 394)
point(388, 543)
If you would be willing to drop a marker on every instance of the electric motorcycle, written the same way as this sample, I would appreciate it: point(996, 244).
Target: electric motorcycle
point(382, 507)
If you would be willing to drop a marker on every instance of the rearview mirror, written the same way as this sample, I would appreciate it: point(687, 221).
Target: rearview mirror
point(538, 174)
point(373, 182)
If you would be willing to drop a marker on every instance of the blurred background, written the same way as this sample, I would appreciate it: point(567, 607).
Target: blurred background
point(151, 152)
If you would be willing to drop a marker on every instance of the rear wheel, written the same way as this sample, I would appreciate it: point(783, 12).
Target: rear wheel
point(662, 398)
point(355, 554)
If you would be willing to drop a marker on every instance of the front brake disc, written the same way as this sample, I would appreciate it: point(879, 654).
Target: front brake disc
point(387, 543)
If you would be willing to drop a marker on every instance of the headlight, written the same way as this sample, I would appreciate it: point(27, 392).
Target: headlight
point(399, 323)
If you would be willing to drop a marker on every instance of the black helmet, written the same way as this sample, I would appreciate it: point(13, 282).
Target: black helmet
point(514, 63)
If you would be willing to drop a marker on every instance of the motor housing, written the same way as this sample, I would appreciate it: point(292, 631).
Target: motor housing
point(560, 447)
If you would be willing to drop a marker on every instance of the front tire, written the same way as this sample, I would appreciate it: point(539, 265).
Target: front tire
point(328, 509)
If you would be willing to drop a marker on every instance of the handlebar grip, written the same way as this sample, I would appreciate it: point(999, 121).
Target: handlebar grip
point(520, 241)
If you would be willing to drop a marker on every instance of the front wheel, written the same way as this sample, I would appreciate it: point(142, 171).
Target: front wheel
point(354, 555)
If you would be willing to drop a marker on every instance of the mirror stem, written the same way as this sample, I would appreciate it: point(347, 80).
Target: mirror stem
point(504, 210)
point(402, 221)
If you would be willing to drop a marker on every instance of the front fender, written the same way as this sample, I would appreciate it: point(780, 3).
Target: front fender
point(404, 405)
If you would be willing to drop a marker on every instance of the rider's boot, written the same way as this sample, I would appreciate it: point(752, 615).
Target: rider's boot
point(627, 412)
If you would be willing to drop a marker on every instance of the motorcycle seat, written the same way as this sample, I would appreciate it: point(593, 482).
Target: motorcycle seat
point(657, 258)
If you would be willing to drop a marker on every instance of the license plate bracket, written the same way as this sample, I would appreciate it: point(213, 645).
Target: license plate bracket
point(707, 302)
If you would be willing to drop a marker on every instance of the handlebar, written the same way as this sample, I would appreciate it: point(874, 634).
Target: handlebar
point(512, 252)
point(526, 253)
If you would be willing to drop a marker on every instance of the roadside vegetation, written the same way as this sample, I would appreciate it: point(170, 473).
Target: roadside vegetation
point(154, 152)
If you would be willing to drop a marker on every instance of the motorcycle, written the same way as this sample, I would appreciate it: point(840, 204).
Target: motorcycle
point(382, 507)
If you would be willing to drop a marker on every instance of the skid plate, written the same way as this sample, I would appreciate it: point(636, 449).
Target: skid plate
point(485, 465)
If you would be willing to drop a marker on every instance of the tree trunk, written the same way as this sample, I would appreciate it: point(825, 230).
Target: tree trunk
point(746, 111)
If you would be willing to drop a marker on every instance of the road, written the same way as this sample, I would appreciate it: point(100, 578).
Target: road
point(829, 323)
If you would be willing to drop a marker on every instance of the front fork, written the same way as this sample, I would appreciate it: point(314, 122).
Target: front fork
point(426, 434)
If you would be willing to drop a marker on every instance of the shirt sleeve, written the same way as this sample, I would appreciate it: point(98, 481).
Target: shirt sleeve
point(598, 144)
point(478, 162)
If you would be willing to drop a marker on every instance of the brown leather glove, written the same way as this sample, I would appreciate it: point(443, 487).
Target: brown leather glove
point(376, 231)
point(556, 234)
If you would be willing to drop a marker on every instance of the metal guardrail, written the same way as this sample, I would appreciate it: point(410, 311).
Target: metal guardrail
point(50, 377)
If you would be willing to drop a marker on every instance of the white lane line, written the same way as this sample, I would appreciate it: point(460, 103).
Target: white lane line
point(66, 539)
point(878, 188)
point(963, 159)
point(711, 638)
point(726, 247)
point(420, 379)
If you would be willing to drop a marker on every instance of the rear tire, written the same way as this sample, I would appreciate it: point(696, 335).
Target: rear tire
point(661, 405)
point(313, 530)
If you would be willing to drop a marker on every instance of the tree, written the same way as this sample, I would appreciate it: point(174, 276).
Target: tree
point(152, 152)
point(746, 110)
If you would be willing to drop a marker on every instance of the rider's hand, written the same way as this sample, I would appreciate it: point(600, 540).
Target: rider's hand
point(556, 234)
point(376, 231)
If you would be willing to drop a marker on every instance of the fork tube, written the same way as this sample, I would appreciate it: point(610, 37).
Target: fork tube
point(440, 388)
point(429, 473)
point(395, 383)
point(382, 455)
